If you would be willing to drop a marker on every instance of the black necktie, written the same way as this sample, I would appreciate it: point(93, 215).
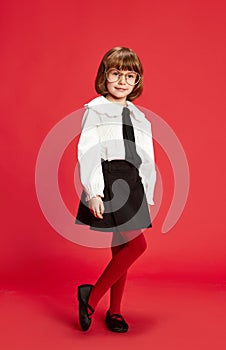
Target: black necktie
point(129, 139)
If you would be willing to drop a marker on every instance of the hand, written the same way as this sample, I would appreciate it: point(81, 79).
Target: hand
point(96, 206)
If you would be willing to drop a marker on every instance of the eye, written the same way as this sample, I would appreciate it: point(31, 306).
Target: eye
point(115, 73)
point(131, 75)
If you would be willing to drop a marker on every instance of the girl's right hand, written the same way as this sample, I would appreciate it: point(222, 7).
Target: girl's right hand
point(96, 206)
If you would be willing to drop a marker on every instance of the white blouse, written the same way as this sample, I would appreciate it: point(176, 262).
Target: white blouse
point(102, 138)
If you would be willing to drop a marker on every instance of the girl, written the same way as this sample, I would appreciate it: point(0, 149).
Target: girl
point(117, 171)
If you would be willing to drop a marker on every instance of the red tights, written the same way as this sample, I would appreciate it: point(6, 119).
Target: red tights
point(114, 275)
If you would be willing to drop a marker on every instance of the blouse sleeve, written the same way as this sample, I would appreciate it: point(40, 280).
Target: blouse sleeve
point(147, 167)
point(89, 156)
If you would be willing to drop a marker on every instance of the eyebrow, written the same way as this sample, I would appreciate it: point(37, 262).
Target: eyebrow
point(123, 70)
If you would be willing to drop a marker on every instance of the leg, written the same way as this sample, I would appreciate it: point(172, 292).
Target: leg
point(117, 288)
point(118, 265)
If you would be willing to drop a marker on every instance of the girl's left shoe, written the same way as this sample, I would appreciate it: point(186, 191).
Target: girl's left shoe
point(116, 323)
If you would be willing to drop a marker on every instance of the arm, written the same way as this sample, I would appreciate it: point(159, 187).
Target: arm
point(89, 156)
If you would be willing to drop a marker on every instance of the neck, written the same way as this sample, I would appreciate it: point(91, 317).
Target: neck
point(122, 102)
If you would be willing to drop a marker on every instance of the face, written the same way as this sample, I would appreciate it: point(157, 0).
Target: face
point(119, 90)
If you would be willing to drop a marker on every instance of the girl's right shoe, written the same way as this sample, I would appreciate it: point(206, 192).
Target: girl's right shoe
point(85, 310)
point(116, 323)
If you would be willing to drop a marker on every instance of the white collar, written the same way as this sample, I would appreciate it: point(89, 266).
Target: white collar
point(99, 103)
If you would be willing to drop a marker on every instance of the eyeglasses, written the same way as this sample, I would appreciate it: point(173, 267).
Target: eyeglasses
point(113, 75)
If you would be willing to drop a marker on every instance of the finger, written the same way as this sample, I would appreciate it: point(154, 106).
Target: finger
point(93, 211)
point(98, 214)
point(102, 207)
point(101, 211)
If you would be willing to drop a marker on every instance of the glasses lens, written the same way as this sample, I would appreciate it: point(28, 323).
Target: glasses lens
point(113, 75)
point(132, 78)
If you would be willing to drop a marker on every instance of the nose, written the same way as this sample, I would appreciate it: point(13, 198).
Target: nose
point(122, 79)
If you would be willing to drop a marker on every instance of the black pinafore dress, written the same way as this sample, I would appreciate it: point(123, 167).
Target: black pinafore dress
point(125, 203)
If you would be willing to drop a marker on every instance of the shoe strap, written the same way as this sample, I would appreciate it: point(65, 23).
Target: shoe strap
point(117, 316)
point(91, 309)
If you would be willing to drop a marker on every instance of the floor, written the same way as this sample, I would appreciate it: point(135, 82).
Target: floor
point(161, 314)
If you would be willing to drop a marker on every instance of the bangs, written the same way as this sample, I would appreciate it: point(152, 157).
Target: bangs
point(124, 60)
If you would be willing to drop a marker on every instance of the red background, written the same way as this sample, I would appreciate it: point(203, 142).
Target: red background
point(50, 52)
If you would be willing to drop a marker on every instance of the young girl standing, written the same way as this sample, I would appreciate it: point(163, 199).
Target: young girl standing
point(117, 171)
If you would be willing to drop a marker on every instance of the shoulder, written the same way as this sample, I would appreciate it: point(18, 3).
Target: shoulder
point(143, 125)
point(100, 106)
point(91, 116)
point(137, 113)
point(139, 116)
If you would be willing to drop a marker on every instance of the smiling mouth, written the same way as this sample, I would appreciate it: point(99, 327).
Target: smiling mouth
point(120, 89)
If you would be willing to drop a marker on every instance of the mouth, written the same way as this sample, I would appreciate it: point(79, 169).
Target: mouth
point(120, 89)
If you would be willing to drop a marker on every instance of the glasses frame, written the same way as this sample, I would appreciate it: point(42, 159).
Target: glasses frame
point(123, 74)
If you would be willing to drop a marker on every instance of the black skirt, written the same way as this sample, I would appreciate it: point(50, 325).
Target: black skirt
point(125, 202)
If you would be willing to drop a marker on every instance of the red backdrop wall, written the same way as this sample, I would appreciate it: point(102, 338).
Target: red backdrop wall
point(50, 52)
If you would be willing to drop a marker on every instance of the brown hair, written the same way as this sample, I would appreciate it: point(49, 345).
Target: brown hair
point(121, 58)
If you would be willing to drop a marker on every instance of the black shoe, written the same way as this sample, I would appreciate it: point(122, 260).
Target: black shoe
point(85, 310)
point(116, 323)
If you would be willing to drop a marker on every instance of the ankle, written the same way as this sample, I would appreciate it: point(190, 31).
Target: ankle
point(113, 310)
point(92, 302)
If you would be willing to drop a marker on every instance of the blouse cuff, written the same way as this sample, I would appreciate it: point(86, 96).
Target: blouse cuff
point(93, 193)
